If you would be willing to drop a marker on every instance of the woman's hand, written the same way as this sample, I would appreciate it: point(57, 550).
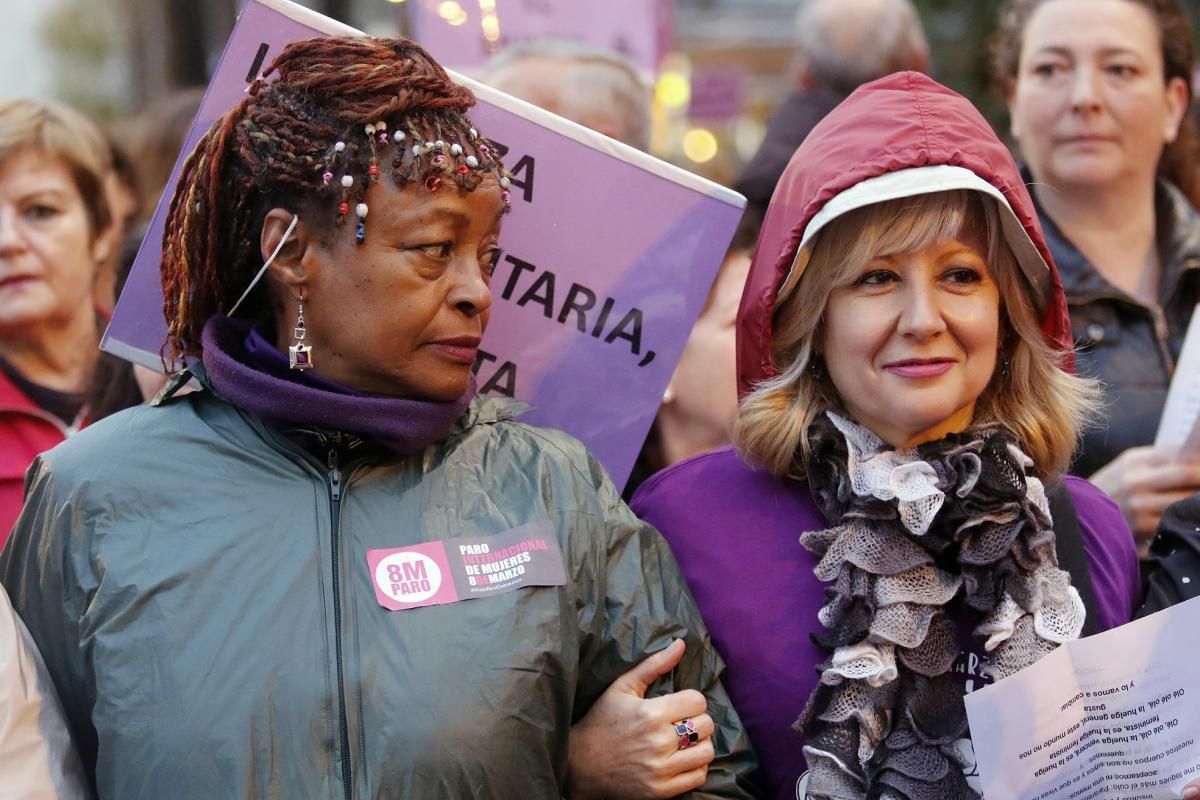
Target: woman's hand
point(1191, 791)
point(626, 745)
point(1143, 481)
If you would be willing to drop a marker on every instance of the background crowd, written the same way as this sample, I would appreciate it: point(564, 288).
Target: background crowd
point(1094, 100)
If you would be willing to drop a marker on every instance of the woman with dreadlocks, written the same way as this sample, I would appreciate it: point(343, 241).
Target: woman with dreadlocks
point(904, 358)
point(338, 572)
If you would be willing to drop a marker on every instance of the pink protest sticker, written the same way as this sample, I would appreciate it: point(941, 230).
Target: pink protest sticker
point(450, 570)
point(412, 577)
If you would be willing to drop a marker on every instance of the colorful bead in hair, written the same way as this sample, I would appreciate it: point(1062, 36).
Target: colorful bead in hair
point(373, 169)
point(344, 207)
point(297, 133)
point(431, 160)
point(360, 231)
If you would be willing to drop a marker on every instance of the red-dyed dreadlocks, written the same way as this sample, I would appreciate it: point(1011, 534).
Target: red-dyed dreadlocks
point(288, 145)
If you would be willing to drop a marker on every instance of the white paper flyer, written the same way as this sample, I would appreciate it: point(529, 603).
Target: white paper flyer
point(1180, 423)
point(1116, 715)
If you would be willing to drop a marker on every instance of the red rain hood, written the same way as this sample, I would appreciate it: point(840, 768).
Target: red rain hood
point(901, 121)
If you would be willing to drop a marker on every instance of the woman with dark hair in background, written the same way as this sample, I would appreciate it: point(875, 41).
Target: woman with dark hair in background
point(118, 384)
point(268, 593)
point(158, 136)
point(1099, 92)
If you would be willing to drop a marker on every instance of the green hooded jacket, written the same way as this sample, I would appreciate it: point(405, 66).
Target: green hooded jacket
point(198, 584)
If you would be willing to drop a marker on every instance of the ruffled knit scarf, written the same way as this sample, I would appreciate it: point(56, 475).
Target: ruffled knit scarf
point(957, 521)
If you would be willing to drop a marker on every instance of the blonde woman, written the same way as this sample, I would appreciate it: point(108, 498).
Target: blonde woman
point(55, 231)
point(881, 541)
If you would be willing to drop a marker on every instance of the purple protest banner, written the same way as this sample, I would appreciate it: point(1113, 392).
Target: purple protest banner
point(608, 257)
point(465, 34)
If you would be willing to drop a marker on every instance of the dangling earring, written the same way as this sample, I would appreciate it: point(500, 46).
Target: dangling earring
point(300, 354)
point(815, 367)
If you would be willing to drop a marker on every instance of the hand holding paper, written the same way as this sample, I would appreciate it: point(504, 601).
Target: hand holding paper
point(1143, 481)
point(1110, 716)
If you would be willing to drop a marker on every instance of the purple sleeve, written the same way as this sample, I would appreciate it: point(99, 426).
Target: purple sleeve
point(735, 532)
point(1112, 557)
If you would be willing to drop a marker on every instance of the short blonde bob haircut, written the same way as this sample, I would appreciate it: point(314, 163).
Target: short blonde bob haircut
point(61, 133)
point(1042, 405)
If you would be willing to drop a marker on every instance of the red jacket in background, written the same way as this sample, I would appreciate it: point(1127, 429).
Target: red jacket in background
point(25, 431)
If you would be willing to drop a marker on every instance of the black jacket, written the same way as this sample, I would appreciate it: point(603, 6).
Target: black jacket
point(1175, 557)
point(1124, 343)
point(788, 127)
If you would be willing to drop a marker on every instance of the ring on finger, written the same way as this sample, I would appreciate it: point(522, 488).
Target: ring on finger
point(685, 729)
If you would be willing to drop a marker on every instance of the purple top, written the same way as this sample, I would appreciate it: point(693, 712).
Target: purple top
point(735, 532)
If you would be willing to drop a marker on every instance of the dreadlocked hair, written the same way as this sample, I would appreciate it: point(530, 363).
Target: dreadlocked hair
point(338, 113)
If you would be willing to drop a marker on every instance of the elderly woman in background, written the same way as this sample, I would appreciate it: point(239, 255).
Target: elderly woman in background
point(882, 541)
point(55, 230)
point(336, 571)
point(1099, 92)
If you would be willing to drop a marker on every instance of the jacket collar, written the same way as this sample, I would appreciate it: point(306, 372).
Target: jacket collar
point(1178, 235)
point(1179, 240)
point(14, 401)
point(12, 398)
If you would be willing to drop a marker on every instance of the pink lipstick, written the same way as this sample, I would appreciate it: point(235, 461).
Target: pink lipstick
point(920, 367)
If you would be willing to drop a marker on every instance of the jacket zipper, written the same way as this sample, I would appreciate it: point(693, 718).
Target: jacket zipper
point(334, 477)
point(1163, 334)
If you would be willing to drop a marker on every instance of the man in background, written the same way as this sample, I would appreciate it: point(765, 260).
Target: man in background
point(840, 45)
point(590, 85)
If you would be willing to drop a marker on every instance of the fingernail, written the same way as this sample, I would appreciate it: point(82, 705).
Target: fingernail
point(1190, 792)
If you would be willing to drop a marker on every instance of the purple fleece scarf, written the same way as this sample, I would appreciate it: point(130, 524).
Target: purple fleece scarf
point(253, 375)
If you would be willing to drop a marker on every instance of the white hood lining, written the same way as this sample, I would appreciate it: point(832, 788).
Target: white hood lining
point(915, 181)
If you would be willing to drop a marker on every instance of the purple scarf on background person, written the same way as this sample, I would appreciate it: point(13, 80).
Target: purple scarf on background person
point(247, 369)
